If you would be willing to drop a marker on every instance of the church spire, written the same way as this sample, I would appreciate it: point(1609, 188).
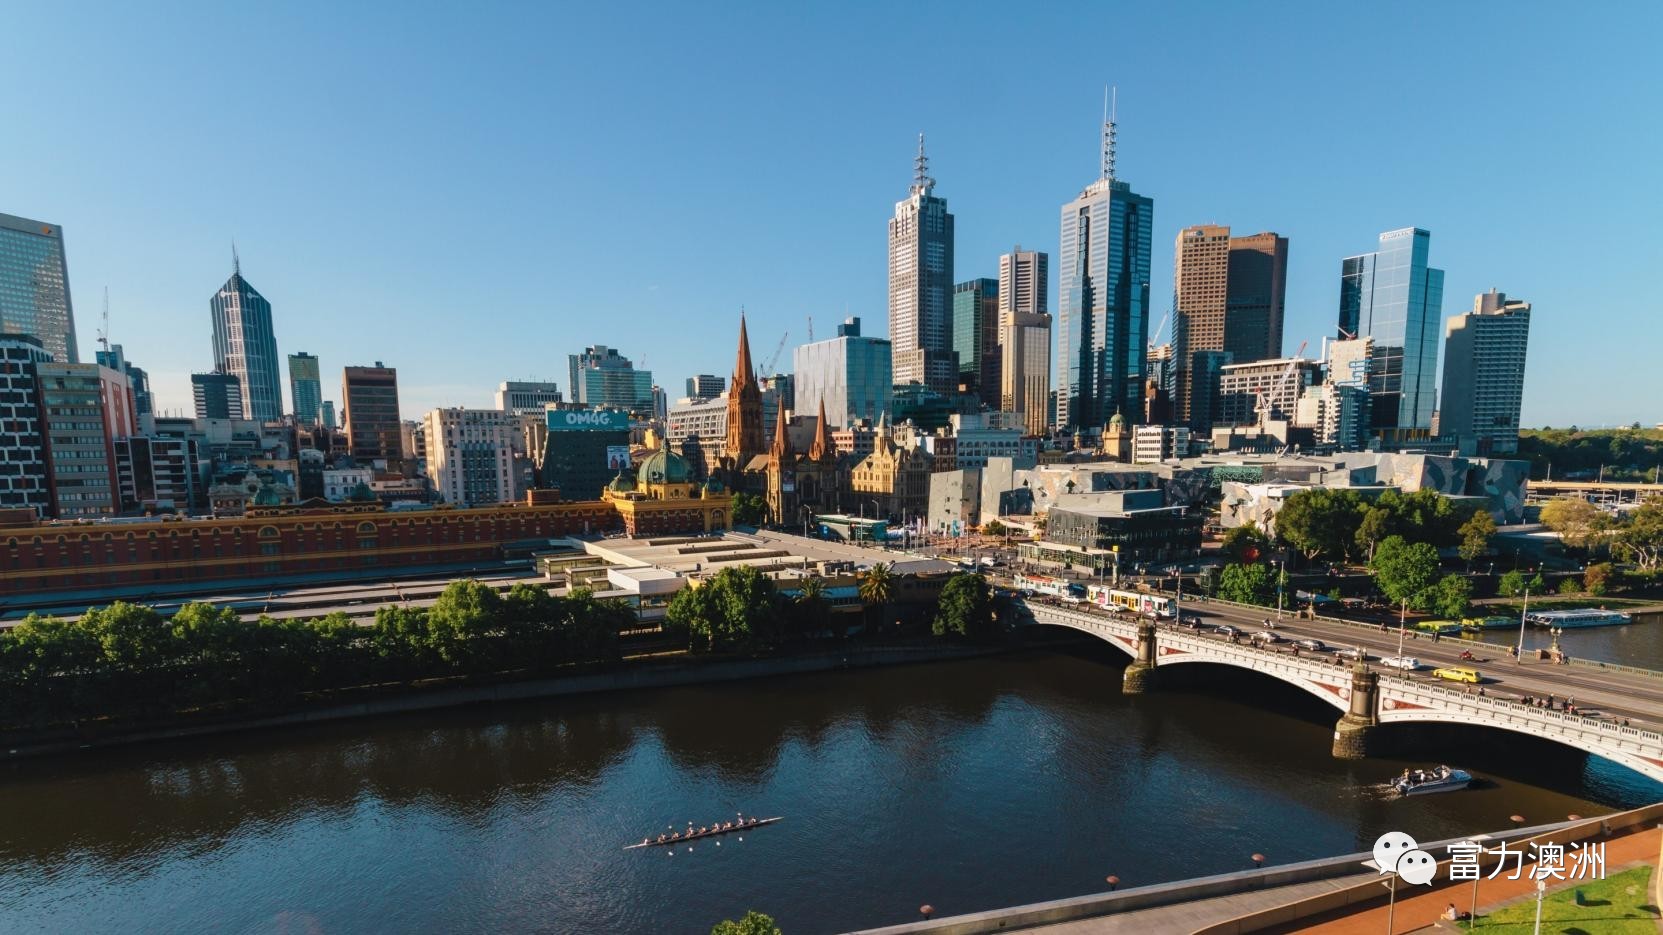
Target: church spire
point(781, 452)
point(742, 371)
point(745, 439)
point(823, 448)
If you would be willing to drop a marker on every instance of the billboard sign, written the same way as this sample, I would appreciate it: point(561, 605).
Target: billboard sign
point(617, 457)
point(587, 420)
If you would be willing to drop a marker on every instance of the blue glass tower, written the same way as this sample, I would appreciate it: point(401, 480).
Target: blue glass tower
point(246, 347)
point(1394, 297)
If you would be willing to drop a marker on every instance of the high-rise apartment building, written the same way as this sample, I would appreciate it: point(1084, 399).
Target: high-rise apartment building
point(705, 386)
point(246, 347)
point(921, 286)
point(1228, 295)
point(326, 412)
point(84, 409)
point(156, 473)
point(603, 378)
point(1024, 328)
point(976, 336)
point(470, 455)
point(113, 357)
point(217, 395)
point(1483, 388)
point(527, 397)
point(305, 387)
point(23, 455)
point(850, 375)
point(1103, 320)
point(34, 286)
point(369, 397)
point(1394, 297)
point(1276, 385)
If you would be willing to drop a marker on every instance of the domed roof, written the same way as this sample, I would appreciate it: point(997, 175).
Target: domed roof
point(1117, 418)
point(267, 495)
point(621, 483)
point(663, 467)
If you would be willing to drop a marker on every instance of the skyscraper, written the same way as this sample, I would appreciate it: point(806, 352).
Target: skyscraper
point(1483, 388)
point(1257, 296)
point(848, 376)
point(34, 286)
point(245, 346)
point(603, 378)
point(1104, 298)
point(921, 285)
point(23, 483)
point(1025, 339)
point(144, 404)
point(217, 395)
point(1394, 297)
point(1228, 295)
point(705, 386)
point(305, 387)
point(374, 431)
point(976, 336)
point(84, 409)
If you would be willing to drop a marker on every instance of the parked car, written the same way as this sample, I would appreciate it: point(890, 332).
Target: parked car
point(1315, 646)
point(1406, 663)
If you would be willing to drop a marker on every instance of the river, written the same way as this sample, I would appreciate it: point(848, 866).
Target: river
point(966, 785)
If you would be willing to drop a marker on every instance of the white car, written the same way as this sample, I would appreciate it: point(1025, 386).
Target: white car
point(1267, 636)
point(1406, 663)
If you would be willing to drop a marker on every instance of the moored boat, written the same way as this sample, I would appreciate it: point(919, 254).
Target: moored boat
point(1577, 619)
point(1427, 781)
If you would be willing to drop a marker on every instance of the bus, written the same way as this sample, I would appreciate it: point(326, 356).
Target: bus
point(1132, 602)
point(1052, 587)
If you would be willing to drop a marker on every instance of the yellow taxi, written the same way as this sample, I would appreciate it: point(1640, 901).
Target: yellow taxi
point(1458, 674)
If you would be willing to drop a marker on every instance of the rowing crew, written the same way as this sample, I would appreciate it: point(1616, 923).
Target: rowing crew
point(691, 833)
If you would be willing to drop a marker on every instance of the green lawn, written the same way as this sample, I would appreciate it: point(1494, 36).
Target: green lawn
point(1616, 905)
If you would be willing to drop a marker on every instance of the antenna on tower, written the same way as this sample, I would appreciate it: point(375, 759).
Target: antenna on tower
point(236, 261)
point(1111, 103)
point(104, 329)
point(921, 180)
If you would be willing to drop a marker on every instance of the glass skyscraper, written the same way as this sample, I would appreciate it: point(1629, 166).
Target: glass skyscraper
point(850, 375)
point(921, 286)
point(246, 347)
point(976, 336)
point(1393, 297)
point(305, 387)
point(34, 286)
point(1103, 314)
point(603, 378)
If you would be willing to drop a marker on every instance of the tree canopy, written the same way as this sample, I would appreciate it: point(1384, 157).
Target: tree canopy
point(966, 607)
point(1247, 584)
point(1406, 571)
point(753, 923)
point(736, 609)
point(1579, 523)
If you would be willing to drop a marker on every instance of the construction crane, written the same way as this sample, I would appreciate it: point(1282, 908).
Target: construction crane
point(1154, 336)
point(811, 329)
point(1280, 386)
point(104, 328)
point(768, 366)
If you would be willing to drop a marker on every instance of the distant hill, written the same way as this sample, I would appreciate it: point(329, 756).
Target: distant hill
point(1632, 454)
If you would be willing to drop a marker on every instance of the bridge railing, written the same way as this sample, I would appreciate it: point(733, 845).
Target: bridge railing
point(1404, 686)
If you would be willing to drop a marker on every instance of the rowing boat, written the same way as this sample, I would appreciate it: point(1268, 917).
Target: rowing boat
point(697, 835)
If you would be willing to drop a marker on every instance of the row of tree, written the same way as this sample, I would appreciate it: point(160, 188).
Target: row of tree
point(1623, 454)
point(1341, 524)
point(1636, 536)
point(127, 661)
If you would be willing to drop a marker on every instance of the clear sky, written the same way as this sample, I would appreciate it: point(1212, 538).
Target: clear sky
point(470, 192)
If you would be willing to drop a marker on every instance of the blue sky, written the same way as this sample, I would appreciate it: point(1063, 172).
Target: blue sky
point(470, 193)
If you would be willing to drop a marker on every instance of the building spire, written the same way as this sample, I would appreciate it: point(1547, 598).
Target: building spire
point(921, 181)
point(781, 451)
point(823, 447)
point(236, 261)
point(742, 371)
point(1111, 102)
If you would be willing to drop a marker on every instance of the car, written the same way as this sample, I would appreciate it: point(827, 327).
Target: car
point(1458, 674)
point(1268, 636)
point(1406, 663)
point(1190, 620)
point(1354, 652)
point(1312, 645)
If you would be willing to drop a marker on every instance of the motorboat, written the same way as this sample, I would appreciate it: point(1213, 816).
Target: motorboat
point(1428, 781)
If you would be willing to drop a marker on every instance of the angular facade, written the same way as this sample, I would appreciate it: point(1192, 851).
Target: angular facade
point(245, 346)
point(921, 286)
point(1394, 297)
point(1483, 388)
point(34, 286)
point(23, 455)
point(976, 337)
point(305, 387)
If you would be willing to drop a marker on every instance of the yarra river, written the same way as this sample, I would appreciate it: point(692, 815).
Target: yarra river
point(967, 785)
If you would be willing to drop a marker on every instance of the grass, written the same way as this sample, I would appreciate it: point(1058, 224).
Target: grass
point(1617, 905)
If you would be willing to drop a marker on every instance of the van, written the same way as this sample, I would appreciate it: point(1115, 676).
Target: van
point(1458, 674)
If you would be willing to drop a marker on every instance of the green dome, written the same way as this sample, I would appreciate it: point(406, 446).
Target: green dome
point(663, 467)
point(621, 483)
point(1117, 418)
point(267, 495)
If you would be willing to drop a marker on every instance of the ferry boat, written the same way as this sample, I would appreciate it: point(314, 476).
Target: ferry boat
point(1489, 623)
point(1577, 619)
point(1428, 781)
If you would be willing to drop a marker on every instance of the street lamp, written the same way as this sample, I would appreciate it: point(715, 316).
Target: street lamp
point(1518, 657)
point(1281, 576)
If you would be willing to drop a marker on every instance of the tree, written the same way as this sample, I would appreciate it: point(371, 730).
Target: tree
point(1475, 536)
point(1537, 584)
point(1245, 543)
point(1247, 584)
point(738, 608)
point(1512, 584)
point(463, 615)
point(965, 608)
point(754, 923)
point(994, 528)
point(877, 586)
point(693, 611)
point(1452, 596)
point(1596, 578)
point(1569, 586)
point(1320, 522)
point(1405, 571)
point(1579, 523)
point(1374, 527)
point(749, 509)
point(813, 611)
point(1640, 540)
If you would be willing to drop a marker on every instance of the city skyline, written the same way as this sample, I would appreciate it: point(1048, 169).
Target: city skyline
point(155, 244)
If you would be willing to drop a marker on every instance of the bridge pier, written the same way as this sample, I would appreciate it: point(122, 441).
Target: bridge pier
point(1140, 674)
point(1355, 732)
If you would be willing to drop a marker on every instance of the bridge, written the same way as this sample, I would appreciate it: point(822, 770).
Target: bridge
point(1614, 492)
point(1619, 710)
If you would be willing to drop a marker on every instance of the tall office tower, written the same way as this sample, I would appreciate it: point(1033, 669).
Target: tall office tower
point(326, 412)
point(84, 409)
point(217, 395)
point(848, 375)
point(1394, 297)
point(1228, 296)
point(1023, 280)
point(705, 386)
point(245, 346)
point(1024, 335)
point(34, 286)
point(22, 439)
point(115, 358)
point(470, 454)
point(305, 387)
point(921, 285)
point(1104, 298)
point(976, 337)
point(1483, 386)
point(527, 397)
point(369, 403)
point(601, 378)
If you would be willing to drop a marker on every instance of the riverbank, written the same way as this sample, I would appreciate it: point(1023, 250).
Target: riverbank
point(640, 674)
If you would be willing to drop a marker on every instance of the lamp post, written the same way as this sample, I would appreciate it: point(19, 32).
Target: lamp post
point(1402, 625)
point(1518, 657)
point(1541, 889)
point(1281, 576)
